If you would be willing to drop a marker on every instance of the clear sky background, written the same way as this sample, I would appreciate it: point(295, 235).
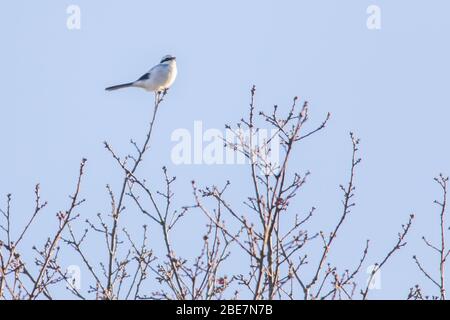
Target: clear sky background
point(389, 86)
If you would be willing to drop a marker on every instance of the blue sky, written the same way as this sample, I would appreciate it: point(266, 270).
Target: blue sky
point(389, 86)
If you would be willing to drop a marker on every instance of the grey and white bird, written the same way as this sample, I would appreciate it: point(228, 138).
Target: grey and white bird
point(158, 79)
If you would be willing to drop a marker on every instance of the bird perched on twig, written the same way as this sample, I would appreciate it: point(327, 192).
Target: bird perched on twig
point(158, 79)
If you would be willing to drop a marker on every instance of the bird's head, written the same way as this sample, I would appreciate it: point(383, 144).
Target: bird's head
point(168, 59)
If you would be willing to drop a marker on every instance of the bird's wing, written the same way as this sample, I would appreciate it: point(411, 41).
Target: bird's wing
point(149, 73)
point(145, 76)
point(155, 72)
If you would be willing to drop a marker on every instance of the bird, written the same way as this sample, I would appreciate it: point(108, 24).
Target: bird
point(158, 79)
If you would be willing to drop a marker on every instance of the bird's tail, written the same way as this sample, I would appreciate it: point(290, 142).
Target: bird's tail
point(120, 86)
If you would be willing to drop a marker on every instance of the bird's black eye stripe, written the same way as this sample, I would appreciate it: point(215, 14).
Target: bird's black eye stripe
point(167, 59)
